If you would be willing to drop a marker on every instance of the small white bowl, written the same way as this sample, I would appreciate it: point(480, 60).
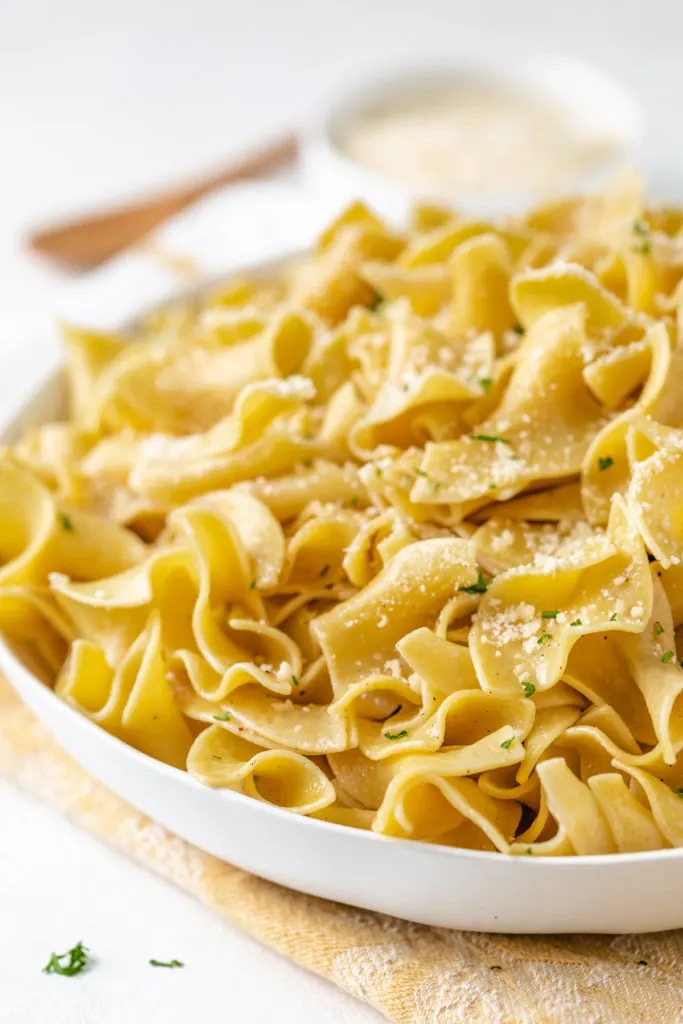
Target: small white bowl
point(587, 96)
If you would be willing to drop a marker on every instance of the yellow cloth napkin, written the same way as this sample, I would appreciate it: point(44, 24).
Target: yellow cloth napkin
point(411, 974)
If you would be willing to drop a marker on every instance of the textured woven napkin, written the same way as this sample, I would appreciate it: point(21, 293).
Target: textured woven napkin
point(410, 973)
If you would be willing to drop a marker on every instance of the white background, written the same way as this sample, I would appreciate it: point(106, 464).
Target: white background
point(101, 100)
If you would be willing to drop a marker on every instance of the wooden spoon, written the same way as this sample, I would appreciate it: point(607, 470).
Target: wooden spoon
point(86, 242)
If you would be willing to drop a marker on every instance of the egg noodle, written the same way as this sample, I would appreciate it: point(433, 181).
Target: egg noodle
point(392, 539)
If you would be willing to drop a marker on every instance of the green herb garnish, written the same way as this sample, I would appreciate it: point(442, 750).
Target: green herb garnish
point(613, 617)
point(640, 227)
point(166, 963)
point(325, 569)
point(69, 963)
point(678, 792)
point(252, 585)
point(225, 717)
point(659, 628)
point(544, 637)
point(354, 501)
point(485, 383)
point(421, 472)
point(645, 247)
point(375, 303)
point(605, 463)
point(667, 656)
point(65, 521)
point(529, 689)
point(490, 438)
point(576, 622)
point(550, 614)
point(396, 735)
point(480, 587)
point(506, 744)
point(215, 757)
point(518, 329)
point(295, 681)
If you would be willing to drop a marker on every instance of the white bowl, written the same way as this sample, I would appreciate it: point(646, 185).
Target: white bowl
point(422, 882)
point(587, 95)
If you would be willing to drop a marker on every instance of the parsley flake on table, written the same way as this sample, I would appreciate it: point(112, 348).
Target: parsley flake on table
point(70, 963)
point(166, 963)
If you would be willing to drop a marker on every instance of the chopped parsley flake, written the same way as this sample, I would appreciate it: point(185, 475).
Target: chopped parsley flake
point(396, 735)
point(375, 303)
point(545, 637)
point(65, 521)
point(605, 463)
point(551, 614)
point(421, 472)
point(166, 963)
point(325, 569)
point(215, 757)
point(307, 436)
point(678, 792)
point(645, 247)
point(378, 470)
point(490, 438)
point(529, 851)
point(485, 383)
point(640, 227)
point(613, 617)
point(252, 585)
point(667, 656)
point(659, 628)
point(225, 717)
point(295, 681)
point(68, 964)
point(576, 622)
point(354, 501)
point(480, 587)
point(518, 329)
point(529, 689)
point(506, 744)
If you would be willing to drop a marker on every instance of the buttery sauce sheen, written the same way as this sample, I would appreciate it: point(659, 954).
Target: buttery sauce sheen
point(480, 141)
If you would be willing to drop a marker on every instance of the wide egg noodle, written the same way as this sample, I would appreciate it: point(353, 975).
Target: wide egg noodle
point(391, 536)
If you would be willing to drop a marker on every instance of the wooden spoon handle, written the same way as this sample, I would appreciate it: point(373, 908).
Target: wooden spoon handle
point(91, 240)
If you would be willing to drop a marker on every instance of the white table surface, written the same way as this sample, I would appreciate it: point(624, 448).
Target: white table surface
point(99, 101)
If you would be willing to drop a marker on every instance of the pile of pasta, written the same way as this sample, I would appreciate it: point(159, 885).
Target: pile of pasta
point(391, 539)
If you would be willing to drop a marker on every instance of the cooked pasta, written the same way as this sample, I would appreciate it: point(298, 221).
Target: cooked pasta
point(393, 539)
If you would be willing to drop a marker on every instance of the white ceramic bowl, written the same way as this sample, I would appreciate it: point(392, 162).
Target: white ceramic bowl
point(426, 883)
point(586, 95)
